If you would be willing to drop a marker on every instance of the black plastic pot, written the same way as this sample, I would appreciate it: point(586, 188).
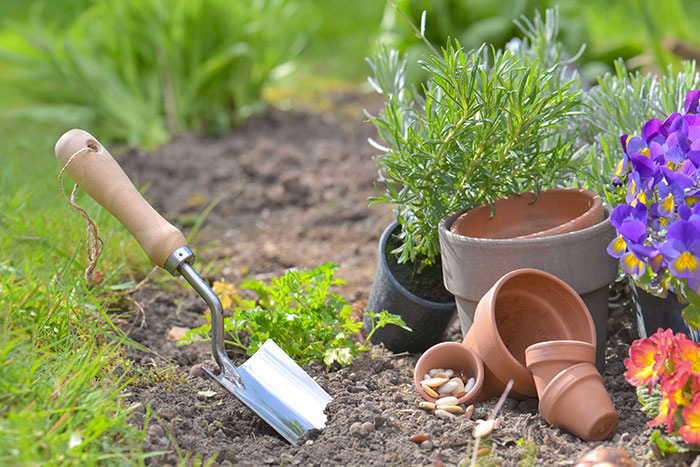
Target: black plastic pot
point(656, 312)
point(426, 318)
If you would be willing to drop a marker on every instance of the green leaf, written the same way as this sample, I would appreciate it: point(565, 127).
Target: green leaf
point(343, 356)
point(649, 400)
point(208, 394)
point(670, 444)
point(691, 314)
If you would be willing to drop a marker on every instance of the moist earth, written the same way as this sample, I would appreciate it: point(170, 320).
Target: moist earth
point(289, 189)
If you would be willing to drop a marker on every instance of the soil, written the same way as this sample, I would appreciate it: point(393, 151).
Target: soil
point(292, 189)
point(425, 283)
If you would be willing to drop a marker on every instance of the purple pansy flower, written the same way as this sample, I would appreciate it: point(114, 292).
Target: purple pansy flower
point(658, 229)
point(681, 250)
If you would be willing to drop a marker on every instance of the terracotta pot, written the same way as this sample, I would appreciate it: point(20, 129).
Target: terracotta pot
point(576, 400)
point(524, 307)
point(427, 319)
point(555, 211)
point(547, 359)
point(472, 265)
point(455, 356)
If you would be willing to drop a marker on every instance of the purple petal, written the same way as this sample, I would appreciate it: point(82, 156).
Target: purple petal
point(635, 145)
point(684, 212)
point(617, 247)
point(683, 232)
point(619, 214)
point(668, 122)
point(635, 231)
point(673, 177)
point(656, 152)
point(694, 155)
point(651, 129)
point(692, 99)
point(693, 120)
point(678, 139)
point(631, 264)
point(675, 155)
point(623, 142)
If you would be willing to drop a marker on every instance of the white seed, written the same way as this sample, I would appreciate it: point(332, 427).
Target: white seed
point(435, 371)
point(434, 382)
point(442, 374)
point(450, 408)
point(460, 385)
point(443, 414)
point(447, 388)
point(426, 376)
point(449, 400)
point(449, 373)
point(483, 427)
point(470, 384)
point(426, 405)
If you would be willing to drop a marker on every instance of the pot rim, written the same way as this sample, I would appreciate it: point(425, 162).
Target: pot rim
point(471, 355)
point(570, 193)
point(541, 351)
point(447, 221)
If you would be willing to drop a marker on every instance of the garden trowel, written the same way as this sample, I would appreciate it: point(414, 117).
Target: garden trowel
point(269, 382)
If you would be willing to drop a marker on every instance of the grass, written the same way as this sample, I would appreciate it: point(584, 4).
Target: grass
point(61, 373)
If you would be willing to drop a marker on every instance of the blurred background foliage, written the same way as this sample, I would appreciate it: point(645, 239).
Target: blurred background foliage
point(139, 71)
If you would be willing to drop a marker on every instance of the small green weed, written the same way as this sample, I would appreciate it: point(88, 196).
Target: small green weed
point(528, 453)
point(299, 313)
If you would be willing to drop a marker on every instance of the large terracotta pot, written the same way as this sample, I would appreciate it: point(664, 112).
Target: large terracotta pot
point(576, 400)
point(471, 265)
point(522, 308)
point(455, 356)
point(427, 319)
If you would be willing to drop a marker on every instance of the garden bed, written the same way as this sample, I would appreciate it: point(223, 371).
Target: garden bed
point(294, 189)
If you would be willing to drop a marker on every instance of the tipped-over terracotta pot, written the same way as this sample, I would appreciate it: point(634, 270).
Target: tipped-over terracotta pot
point(576, 400)
point(524, 307)
point(547, 359)
point(552, 212)
point(454, 356)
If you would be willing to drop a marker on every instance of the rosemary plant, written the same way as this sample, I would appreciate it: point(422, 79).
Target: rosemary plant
point(487, 124)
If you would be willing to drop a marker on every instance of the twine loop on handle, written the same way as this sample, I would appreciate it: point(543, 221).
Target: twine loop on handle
point(94, 243)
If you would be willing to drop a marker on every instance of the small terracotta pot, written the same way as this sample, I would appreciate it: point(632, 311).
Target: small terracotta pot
point(524, 307)
point(547, 359)
point(576, 400)
point(555, 211)
point(455, 356)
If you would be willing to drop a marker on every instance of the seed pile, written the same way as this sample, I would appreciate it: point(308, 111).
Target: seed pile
point(446, 387)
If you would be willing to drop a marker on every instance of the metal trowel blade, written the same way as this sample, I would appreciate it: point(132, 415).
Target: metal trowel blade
point(279, 391)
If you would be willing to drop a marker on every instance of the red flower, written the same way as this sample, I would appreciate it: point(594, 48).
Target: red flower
point(691, 416)
point(647, 362)
point(672, 396)
point(685, 350)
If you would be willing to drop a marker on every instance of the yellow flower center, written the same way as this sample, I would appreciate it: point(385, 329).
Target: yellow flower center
point(687, 261)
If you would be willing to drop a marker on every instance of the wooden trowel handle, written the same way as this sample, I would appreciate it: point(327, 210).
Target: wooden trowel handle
point(96, 172)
